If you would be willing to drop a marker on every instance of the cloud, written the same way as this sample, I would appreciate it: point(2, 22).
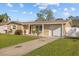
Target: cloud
point(10, 5)
point(41, 5)
point(13, 10)
point(57, 4)
point(54, 10)
point(73, 9)
point(31, 12)
point(65, 9)
point(45, 5)
point(21, 5)
point(36, 4)
point(66, 13)
point(24, 12)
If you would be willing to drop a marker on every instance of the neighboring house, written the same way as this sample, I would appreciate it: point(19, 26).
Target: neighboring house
point(58, 28)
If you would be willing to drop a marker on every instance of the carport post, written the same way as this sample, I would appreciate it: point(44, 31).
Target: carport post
point(62, 31)
point(28, 28)
point(42, 29)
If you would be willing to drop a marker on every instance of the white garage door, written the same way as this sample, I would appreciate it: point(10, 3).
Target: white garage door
point(55, 30)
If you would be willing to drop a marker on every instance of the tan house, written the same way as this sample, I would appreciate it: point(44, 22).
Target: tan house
point(46, 28)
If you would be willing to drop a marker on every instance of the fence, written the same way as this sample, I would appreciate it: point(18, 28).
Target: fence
point(73, 32)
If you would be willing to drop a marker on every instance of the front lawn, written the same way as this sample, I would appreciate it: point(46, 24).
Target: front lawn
point(8, 40)
point(61, 47)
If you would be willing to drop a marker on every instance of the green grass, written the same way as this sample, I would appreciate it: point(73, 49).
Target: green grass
point(61, 47)
point(9, 40)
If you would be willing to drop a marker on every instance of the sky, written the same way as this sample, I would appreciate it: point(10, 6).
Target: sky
point(27, 11)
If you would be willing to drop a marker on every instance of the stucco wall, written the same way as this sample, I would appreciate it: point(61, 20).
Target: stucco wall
point(18, 27)
point(3, 28)
point(46, 30)
point(67, 27)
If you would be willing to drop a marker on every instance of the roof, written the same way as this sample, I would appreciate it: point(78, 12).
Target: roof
point(46, 22)
point(38, 22)
point(15, 22)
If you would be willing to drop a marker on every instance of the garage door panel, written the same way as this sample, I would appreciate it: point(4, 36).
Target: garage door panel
point(57, 32)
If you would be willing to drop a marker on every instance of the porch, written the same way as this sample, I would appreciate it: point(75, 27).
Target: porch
point(48, 30)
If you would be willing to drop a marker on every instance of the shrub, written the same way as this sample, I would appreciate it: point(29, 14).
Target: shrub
point(18, 32)
point(37, 31)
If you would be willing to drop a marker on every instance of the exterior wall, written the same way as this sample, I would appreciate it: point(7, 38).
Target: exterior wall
point(18, 27)
point(67, 27)
point(46, 30)
point(3, 29)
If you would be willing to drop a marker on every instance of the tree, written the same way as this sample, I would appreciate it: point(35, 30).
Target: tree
point(59, 19)
point(4, 17)
point(45, 15)
point(49, 15)
point(71, 18)
point(75, 20)
point(40, 17)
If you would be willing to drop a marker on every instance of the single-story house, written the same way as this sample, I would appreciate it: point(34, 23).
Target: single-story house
point(58, 28)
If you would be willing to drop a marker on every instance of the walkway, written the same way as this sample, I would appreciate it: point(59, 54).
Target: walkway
point(23, 48)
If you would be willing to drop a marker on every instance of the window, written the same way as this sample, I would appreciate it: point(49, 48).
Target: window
point(14, 27)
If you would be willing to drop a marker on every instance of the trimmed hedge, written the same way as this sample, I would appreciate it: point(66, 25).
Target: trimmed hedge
point(18, 32)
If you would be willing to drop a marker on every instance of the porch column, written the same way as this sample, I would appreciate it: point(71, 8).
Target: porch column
point(42, 29)
point(28, 28)
point(22, 30)
point(62, 30)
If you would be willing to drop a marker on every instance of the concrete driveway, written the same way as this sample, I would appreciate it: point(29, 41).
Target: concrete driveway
point(26, 47)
